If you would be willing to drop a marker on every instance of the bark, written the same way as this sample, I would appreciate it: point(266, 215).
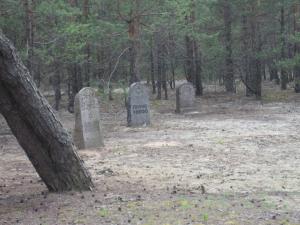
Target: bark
point(274, 73)
point(245, 46)
point(263, 70)
point(30, 28)
point(75, 82)
point(74, 79)
point(164, 70)
point(198, 70)
point(297, 48)
point(193, 57)
point(172, 61)
point(87, 65)
point(100, 61)
point(189, 60)
point(47, 144)
point(73, 3)
point(56, 83)
point(134, 50)
point(229, 72)
point(85, 12)
point(159, 74)
point(252, 49)
point(152, 55)
point(284, 73)
point(172, 80)
point(157, 61)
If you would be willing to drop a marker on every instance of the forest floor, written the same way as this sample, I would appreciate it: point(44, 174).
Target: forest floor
point(236, 161)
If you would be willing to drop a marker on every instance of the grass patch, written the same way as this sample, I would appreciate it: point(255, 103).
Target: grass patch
point(281, 96)
point(184, 204)
point(103, 213)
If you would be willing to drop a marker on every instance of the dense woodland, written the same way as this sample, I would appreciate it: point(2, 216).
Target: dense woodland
point(69, 44)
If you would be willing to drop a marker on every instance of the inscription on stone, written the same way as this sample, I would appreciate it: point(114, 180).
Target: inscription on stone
point(185, 98)
point(140, 109)
point(138, 113)
point(88, 133)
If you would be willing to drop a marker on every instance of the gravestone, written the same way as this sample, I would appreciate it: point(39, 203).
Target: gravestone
point(138, 110)
point(88, 133)
point(185, 98)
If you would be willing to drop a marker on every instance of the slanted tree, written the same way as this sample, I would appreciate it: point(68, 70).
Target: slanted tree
point(47, 144)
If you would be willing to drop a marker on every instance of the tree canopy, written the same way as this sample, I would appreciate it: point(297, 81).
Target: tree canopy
point(71, 43)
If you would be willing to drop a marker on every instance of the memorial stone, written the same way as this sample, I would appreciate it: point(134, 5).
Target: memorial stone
point(88, 133)
point(138, 110)
point(185, 98)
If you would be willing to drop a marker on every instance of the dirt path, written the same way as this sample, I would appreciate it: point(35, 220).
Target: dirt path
point(235, 162)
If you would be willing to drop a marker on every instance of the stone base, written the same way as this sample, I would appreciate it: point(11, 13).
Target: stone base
point(186, 110)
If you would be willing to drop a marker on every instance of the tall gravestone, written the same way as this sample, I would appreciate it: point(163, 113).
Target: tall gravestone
point(185, 98)
point(138, 110)
point(88, 133)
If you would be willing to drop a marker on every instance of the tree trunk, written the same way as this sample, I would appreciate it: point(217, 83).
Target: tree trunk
point(47, 144)
point(85, 13)
point(274, 73)
point(164, 70)
point(193, 54)
point(246, 52)
point(284, 73)
point(157, 61)
point(189, 60)
point(134, 50)
point(263, 70)
point(29, 25)
point(152, 58)
point(87, 65)
point(172, 80)
point(56, 83)
point(198, 70)
point(159, 73)
point(85, 9)
point(172, 60)
point(252, 49)
point(297, 48)
point(229, 72)
point(75, 79)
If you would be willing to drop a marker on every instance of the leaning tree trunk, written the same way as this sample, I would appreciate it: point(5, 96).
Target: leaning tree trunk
point(47, 144)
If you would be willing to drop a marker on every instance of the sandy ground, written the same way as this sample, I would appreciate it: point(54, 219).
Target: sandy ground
point(236, 161)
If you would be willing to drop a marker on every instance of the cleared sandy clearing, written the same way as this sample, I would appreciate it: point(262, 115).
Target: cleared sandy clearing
point(243, 154)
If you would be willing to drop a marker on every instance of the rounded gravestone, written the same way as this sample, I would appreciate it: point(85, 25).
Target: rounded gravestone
point(88, 132)
point(138, 110)
point(185, 98)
